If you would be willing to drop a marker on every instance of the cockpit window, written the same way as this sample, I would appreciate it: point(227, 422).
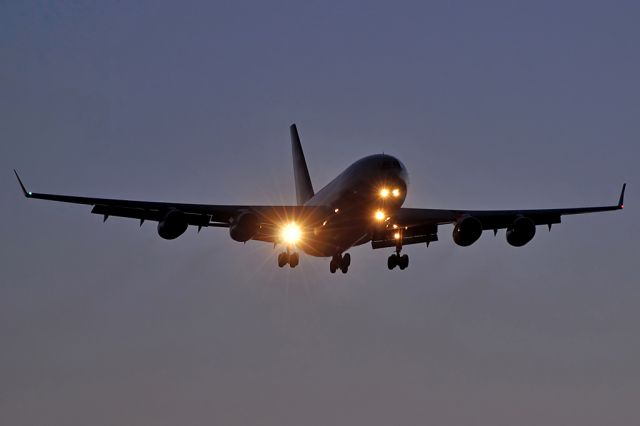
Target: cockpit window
point(390, 163)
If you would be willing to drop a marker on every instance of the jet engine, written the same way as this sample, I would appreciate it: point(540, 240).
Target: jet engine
point(173, 225)
point(244, 227)
point(521, 231)
point(467, 231)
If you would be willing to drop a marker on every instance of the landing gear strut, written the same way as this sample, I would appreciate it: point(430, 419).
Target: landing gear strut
point(340, 261)
point(292, 258)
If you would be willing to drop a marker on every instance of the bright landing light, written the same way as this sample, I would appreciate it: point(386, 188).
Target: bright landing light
point(291, 233)
point(384, 193)
point(396, 192)
point(379, 215)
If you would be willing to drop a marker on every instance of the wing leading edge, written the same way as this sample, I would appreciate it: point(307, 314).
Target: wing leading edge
point(497, 219)
point(200, 215)
point(421, 225)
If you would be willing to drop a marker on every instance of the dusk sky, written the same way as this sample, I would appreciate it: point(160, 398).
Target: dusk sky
point(490, 105)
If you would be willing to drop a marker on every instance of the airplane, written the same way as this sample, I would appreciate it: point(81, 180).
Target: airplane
point(363, 204)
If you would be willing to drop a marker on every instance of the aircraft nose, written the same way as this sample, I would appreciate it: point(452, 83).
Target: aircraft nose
point(391, 187)
point(396, 174)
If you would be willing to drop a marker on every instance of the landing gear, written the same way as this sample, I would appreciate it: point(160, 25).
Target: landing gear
point(404, 261)
point(341, 262)
point(294, 259)
point(396, 260)
point(287, 257)
point(392, 261)
point(346, 261)
point(283, 259)
point(333, 266)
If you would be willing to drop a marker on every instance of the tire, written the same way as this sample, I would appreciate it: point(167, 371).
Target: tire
point(346, 260)
point(392, 262)
point(294, 259)
point(333, 267)
point(282, 259)
point(403, 261)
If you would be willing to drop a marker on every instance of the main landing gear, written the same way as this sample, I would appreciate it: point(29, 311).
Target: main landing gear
point(340, 261)
point(396, 260)
point(288, 257)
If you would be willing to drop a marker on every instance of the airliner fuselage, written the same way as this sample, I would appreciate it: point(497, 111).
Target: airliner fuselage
point(362, 198)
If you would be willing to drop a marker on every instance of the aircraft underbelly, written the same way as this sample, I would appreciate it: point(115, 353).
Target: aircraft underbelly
point(333, 241)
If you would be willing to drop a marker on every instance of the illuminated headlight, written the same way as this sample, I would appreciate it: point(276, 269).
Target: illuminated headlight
point(291, 233)
point(384, 193)
point(396, 235)
point(379, 215)
point(395, 192)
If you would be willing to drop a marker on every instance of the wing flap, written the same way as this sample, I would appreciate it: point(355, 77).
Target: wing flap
point(391, 242)
point(195, 219)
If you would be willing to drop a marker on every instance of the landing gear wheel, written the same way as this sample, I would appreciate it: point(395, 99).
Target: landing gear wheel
point(344, 264)
point(403, 261)
point(291, 258)
point(333, 266)
point(392, 261)
point(283, 259)
point(294, 259)
point(396, 260)
point(341, 262)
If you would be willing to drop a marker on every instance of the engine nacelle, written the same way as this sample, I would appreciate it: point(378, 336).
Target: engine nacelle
point(173, 225)
point(244, 227)
point(521, 231)
point(467, 231)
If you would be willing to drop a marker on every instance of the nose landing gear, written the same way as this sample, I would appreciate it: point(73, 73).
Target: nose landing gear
point(340, 261)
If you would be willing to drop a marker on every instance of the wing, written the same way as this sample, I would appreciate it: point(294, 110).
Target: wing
point(200, 215)
point(420, 225)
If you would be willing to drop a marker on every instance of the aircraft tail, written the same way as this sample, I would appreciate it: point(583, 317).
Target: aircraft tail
point(304, 188)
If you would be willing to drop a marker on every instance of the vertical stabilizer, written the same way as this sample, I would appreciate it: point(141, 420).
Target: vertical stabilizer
point(304, 189)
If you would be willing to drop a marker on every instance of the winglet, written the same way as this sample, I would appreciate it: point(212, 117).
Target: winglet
point(24, 190)
point(621, 201)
